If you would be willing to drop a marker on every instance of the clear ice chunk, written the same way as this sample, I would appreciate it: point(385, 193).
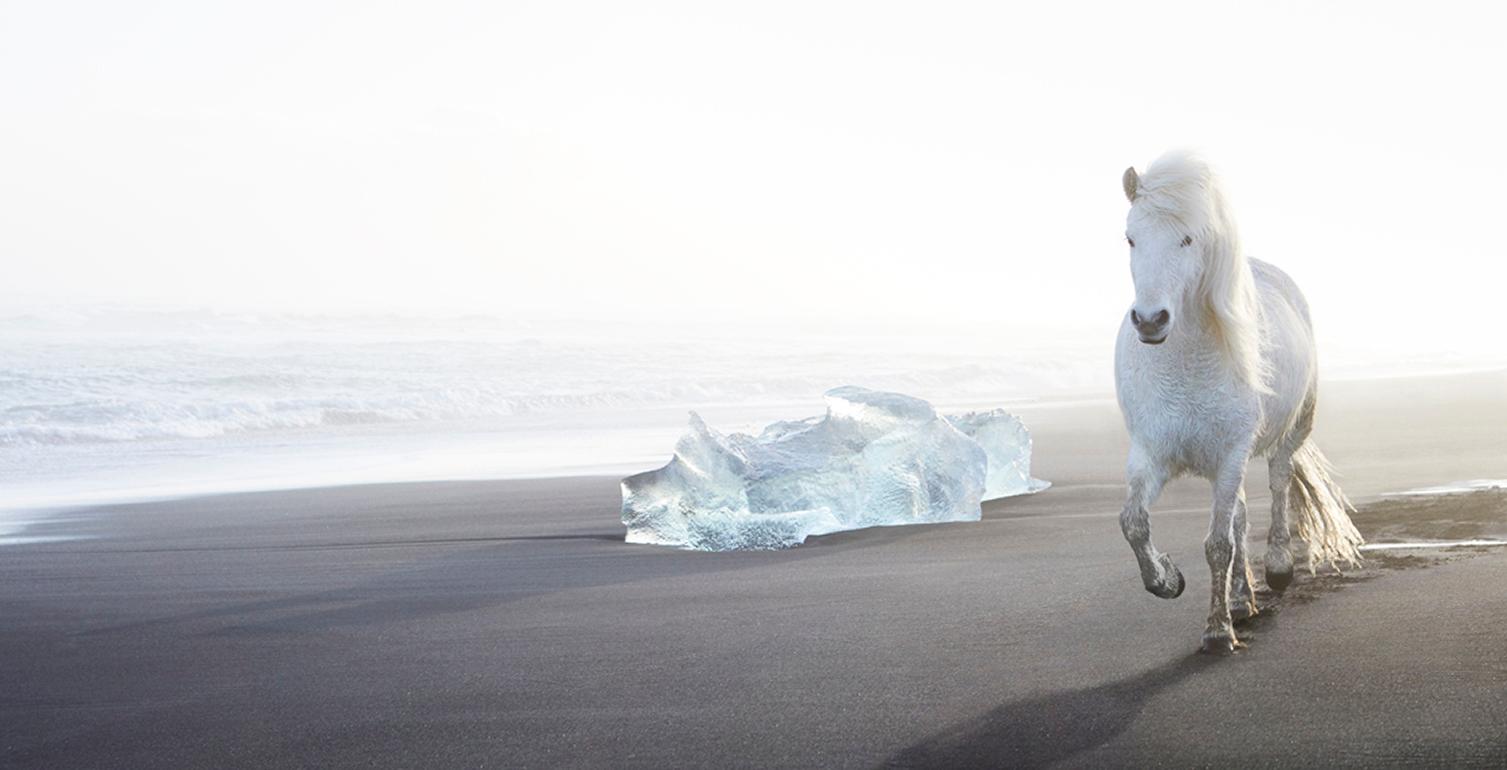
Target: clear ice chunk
point(1007, 442)
point(874, 459)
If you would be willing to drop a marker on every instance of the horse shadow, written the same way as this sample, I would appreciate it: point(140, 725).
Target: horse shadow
point(1048, 728)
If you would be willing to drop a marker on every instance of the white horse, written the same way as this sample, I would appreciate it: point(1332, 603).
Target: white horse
point(1214, 364)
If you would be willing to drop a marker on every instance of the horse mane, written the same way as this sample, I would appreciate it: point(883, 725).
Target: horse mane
point(1181, 187)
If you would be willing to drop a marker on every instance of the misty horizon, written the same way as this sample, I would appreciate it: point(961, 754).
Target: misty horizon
point(884, 167)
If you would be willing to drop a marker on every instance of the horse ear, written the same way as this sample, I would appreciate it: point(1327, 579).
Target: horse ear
point(1129, 182)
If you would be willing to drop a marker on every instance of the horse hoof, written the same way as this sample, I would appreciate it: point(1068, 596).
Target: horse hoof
point(1170, 588)
point(1220, 644)
point(1244, 611)
point(1278, 580)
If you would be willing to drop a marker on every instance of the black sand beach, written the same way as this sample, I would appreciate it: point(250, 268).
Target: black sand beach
point(506, 624)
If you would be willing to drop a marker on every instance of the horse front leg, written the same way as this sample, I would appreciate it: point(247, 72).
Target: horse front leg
point(1145, 480)
point(1219, 549)
point(1242, 580)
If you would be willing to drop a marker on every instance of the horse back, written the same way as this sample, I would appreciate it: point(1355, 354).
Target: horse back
point(1274, 285)
point(1289, 352)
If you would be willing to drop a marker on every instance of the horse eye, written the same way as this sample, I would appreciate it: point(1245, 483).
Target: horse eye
point(1130, 241)
point(1187, 240)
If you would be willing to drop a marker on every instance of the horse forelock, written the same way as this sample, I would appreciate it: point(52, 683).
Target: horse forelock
point(1181, 191)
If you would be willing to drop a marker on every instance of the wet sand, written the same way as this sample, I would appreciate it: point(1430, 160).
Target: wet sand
point(505, 624)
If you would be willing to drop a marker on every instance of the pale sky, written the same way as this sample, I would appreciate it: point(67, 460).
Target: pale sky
point(939, 162)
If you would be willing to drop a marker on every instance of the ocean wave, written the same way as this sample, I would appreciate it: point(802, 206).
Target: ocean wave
point(119, 390)
point(114, 421)
point(174, 426)
point(79, 422)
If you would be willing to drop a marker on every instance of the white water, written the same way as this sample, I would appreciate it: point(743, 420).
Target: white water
point(1455, 488)
point(1443, 544)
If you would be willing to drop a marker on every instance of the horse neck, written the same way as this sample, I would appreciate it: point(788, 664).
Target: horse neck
point(1198, 344)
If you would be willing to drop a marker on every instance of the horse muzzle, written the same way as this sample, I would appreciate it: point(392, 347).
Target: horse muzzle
point(1153, 329)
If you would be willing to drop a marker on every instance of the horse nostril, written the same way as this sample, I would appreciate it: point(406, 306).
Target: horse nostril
point(1155, 322)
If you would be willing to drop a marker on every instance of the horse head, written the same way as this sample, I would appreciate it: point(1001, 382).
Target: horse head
point(1166, 263)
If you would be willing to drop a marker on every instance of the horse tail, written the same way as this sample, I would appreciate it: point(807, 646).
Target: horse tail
point(1323, 511)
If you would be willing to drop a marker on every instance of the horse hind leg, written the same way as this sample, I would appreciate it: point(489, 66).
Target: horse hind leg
point(1278, 560)
point(1160, 576)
